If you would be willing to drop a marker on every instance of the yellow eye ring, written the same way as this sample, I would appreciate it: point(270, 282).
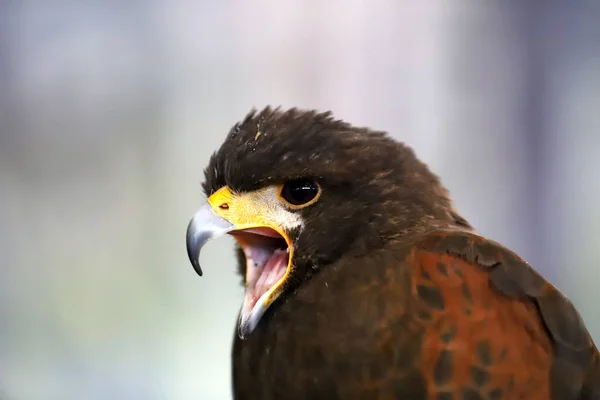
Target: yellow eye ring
point(300, 193)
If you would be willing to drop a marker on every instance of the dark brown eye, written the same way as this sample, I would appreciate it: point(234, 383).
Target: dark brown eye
point(300, 192)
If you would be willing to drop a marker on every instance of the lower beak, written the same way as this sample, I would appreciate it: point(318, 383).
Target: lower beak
point(254, 219)
point(205, 225)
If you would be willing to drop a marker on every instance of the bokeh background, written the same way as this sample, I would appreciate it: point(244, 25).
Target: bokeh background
point(110, 109)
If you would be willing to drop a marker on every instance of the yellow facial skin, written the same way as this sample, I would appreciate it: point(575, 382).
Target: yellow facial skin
point(262, 208)
point(264, 212)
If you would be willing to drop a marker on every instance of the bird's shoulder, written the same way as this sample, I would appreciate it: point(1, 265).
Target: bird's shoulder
point(491, 322)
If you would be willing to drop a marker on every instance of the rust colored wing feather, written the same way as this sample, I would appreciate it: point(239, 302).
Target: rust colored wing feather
point(494, 328)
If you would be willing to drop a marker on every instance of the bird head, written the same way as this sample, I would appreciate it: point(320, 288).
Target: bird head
point(299, 189)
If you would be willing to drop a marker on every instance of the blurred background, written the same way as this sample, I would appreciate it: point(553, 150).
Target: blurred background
point(109, 111)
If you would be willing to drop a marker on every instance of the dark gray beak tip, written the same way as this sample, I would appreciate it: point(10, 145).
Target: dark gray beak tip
point(197, 268)
point(193, 248)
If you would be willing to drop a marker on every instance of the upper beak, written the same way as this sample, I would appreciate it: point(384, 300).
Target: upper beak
point(205, 225)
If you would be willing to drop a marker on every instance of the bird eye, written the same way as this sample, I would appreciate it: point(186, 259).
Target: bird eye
point(300, 192)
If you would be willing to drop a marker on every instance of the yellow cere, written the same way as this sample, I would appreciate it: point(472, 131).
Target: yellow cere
point(258, 209)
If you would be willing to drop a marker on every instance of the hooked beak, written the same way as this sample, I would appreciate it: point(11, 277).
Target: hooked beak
point(205, 225)
point(258, 221)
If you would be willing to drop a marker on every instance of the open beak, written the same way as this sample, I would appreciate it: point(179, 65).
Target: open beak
point(257, 220)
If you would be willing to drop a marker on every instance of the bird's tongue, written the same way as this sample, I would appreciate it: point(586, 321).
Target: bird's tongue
point(261, 279)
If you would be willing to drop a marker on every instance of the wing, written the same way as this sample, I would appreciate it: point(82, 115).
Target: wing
point(494, 328)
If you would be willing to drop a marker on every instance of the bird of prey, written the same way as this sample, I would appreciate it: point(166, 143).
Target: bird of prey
point(362, 281)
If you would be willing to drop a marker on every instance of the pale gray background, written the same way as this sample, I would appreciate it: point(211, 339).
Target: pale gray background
point(108, 113)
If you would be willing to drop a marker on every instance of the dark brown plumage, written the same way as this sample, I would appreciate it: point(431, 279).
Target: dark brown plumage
point(390, 293)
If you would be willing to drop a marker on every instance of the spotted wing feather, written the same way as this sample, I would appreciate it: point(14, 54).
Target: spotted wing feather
point(497, 329)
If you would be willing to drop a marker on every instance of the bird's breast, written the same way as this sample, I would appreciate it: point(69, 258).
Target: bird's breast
point(337, 328)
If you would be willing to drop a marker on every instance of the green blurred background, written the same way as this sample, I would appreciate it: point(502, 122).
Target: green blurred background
point(109, 111)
